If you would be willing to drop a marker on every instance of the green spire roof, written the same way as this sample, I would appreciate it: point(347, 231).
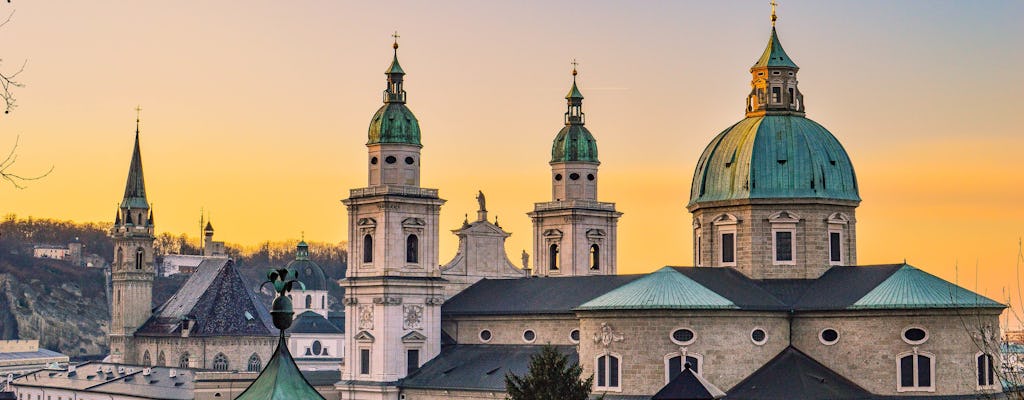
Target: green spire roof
point(574, 142)
point(135, 188)
point(910, 287)
point(774, 55)
point(280, 380)
point(574, 92)
point(395, 68)
point(664, 289)
point(394, 123)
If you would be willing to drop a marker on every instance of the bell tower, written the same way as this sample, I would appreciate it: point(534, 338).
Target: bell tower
point(133, 268)
point(574, 234)
point(393, 286)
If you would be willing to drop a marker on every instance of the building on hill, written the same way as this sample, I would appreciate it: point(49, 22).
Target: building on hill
point(187, 263)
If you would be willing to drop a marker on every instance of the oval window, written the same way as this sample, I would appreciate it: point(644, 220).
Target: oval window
point(683, 336)
point(828, 336)
point(485, 335)
point(317, 347)
point(758, 336)
point(409, 160)
point(529, 336)
point(390, 159)
point(915, 335)
point(574, 176)
point(574, 336)
point(558, 177)
point(590, 177)
point(373, 160)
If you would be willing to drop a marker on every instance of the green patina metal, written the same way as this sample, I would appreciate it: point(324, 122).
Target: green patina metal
point(664, 289)
point(574, 143)
point(394, 123)
point(281, 379)
point(395, 68)
point(574, 92)
point(912, 288)
point(774, 156)
point(774, 55)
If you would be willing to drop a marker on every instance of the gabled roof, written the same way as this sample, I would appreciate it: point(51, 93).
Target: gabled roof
point(532, 295)
point(688, 386)
point(910, 287)
point(477, 367)
point(840, 287)
point(311, 322)
point(794, 375)
point(218, 302)
point(664, 289)
point(280, 380)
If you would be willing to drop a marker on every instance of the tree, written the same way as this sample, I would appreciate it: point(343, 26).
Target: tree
point(8, 81)
point(550, 377)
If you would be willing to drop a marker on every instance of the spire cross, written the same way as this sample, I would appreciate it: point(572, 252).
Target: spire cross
point(774, 4)
point(396, 36)
point(138, 112)
point(574, 65)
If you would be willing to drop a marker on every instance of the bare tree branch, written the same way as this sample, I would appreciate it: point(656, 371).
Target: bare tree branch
point(8, 80)
point(17, 180)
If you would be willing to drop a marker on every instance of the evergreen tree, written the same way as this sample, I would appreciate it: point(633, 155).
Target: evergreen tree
point(550, 377)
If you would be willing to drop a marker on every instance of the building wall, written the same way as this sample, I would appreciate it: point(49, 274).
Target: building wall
point(869, 343)
point(574, 230)
point(509, 329)
point(642, 341)
point(434, 394)
point(202, 350)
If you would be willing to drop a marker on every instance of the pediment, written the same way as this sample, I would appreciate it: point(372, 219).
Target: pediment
point(838, 219)
point(552, 233)
point(410, 222)
point(725, 219)
point(784, 217)
point(364, 336)
point(595, 233)
point(414, 337)
point(367, 222)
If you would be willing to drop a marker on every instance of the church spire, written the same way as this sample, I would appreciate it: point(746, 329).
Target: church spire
point(773, 80)
point(135, 187)
point(574, 114)
point(394, 93)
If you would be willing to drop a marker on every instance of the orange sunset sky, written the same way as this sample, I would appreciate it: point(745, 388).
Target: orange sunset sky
point(257, 112)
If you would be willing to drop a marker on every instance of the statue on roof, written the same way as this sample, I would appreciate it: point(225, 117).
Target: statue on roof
point(481, 200)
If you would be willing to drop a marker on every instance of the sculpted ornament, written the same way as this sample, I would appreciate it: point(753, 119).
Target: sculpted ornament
point(412, 317)
point(607, 335)
point(366, 317)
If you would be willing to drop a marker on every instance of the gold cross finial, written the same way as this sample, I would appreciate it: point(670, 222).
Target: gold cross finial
point(138, 112)
point(774, 4)
point(395, 35)
point(574, 65)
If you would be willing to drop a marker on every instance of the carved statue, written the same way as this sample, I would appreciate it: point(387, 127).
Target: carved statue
point(526, 260)
point(481, 200)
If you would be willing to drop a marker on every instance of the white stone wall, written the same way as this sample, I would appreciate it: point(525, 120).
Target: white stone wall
point(574, 227)
point(549, 329)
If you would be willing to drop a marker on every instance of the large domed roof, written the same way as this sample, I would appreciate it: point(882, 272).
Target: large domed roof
point(307, 271)
point(394, 123)
point(774, 156)
point(574, 143)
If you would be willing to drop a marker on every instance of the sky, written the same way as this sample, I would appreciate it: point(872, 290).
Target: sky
point(257, 112)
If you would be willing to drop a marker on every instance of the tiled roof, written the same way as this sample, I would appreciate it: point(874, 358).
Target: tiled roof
point(538, 295)
point(477, 367)
point(664, 289)
point(217, 299)
point(910, 288)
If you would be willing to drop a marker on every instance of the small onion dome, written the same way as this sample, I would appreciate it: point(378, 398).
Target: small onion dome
point(574, 143)
point(774, 157)
point(394, 123)
point(307, 271)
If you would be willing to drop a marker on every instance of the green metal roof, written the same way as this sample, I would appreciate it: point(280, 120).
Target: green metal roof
point(574, 92)
point(135, 187)
point(280, 380)
point(774, 55)
point(774, 156)
point(664, 289)
point(912, 288)
point(394, 123)
point(395, 68)
point(574, 143)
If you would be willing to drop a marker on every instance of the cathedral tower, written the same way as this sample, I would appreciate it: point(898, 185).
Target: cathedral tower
point(133, 268)
point(393, 287)
point(574, 234)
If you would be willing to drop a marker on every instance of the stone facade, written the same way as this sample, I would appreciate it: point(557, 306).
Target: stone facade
point(481, 255)
point(202, 350)
point(433, 394)
point(548, 329)
point(754, 223)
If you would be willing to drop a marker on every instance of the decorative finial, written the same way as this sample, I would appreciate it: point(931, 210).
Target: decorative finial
point(395, 44)
point(303, 235)
point(138, 113)
point(574, 65)
point(281, 311)
point(774, 17)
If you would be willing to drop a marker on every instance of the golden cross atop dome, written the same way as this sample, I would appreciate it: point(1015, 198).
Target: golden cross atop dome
point(395, 35)
point(574, 65)
point(774, 4)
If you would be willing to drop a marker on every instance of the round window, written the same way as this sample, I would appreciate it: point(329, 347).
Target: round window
point(915, 335)
point(409, 160)
point(590, 177)
point(390, 159)
point(529, 336)
point(558, 177)
point(373, 160)
point(683, 336)
point(574, 176)
point(828, 336)
point(485, 335)
point(758, 336)
point(574, 336)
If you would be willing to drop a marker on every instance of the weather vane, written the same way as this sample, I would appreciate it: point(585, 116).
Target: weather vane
point(774, 4)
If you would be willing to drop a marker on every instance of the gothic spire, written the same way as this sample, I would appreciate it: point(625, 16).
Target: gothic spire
point(135, 187)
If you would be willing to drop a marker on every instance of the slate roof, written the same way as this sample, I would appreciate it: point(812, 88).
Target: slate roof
point(311, 322)
point(794, 375)
point(688, 386)
point(521, 296)
point(217, 299)
point(477, 367)
point(135, 186)
point(662, 289)
point(122, 380)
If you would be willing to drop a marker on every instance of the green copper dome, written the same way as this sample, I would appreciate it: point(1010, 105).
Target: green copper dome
point(394, 123)
point(774, 156)
point(307, 271)
point(574, 143)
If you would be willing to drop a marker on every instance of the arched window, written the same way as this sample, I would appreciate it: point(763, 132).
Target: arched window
point(161, 360)
point(183, 361)
point(608, 373)
point(367, 249)
point(309, 301)
point(220, 362)
point(139, 253)
point(674, 365)
point(595, 257)
point(255, 364)
point(916, 372)
point(553, 256)
point(986, 371)
point(120, 257)
point(146, 359)
point(412, 249)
